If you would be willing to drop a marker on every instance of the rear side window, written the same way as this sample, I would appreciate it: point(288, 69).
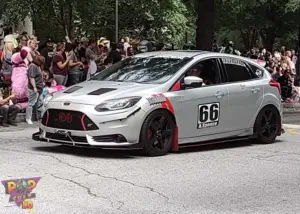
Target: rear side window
point(236, 70)
point(257, 72)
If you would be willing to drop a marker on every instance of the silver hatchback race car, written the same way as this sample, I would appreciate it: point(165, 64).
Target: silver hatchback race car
point(161, 101)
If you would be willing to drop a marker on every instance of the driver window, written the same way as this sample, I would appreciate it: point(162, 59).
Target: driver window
point(207, 70)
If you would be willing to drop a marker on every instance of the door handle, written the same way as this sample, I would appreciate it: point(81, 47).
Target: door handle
point(219, 94)
point(255, 90)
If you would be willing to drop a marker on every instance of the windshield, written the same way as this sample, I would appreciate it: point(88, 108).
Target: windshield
point(152, 70)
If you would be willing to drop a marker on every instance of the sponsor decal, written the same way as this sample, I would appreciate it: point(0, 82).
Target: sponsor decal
point(208, 115)
point(20, 191)
point(156, 99)
point(160, 99)
point(233, 61)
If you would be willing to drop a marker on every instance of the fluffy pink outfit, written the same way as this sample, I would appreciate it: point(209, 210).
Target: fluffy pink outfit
point(19, 77)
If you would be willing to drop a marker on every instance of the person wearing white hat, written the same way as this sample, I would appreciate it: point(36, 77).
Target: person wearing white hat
point(10, 43)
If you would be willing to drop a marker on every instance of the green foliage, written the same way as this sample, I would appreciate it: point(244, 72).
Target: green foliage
point(260, 22)
point(167, 20)
point(247, 22)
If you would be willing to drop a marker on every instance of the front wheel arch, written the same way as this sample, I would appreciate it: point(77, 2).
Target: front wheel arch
point(172, 120)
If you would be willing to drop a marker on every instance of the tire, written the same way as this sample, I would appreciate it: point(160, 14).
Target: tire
point(157, 133)
point(267, 125)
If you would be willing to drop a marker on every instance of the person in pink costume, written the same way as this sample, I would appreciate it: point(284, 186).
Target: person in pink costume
point(19, 80)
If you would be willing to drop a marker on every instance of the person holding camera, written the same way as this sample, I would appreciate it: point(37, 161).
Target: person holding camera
point(8, 110)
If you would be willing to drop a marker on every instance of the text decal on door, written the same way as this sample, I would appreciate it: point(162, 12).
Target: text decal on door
point(208, 115)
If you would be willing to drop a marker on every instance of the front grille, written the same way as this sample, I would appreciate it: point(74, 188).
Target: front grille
point(66, 138)
point(70, 120)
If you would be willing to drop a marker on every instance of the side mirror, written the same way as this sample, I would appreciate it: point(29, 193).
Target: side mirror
point(193, 82)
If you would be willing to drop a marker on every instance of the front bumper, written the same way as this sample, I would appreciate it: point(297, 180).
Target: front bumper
point(89, 142)
point(120, 130)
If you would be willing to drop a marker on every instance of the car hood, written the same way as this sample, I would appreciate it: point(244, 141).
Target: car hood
point(95, 92)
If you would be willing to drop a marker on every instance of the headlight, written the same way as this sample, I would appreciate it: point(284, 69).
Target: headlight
point(47, 99)
point(117, 104)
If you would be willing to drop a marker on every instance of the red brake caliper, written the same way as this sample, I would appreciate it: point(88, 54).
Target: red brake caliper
point(149, 133)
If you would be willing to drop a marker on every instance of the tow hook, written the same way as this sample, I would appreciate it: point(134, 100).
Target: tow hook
point(36, 136)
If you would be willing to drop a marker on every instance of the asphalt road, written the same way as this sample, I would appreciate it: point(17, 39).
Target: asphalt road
point(231, 178)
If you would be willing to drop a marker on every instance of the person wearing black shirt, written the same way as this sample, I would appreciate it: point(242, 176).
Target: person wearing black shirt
point(47, 53)
point(115, 53)
point(285, 84)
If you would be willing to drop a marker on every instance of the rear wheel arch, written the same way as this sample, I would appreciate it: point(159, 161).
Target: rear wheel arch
point(268, 106)
point(256, 127)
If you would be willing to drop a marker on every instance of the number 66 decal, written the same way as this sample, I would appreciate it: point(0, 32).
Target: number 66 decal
point(208, 115)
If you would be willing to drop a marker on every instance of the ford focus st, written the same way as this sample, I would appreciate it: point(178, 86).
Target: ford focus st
point(161, 101)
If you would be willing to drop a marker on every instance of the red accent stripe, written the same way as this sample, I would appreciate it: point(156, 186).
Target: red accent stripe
point(47, 119)
point(164, 105)
point(176, 87)
point(170, 105)
point(82, 122)
point(175, 146)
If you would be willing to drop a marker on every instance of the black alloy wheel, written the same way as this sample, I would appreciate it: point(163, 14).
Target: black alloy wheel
point(267, 125)
point(158, 133)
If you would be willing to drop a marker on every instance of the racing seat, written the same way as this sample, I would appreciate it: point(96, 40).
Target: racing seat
point(209, 72)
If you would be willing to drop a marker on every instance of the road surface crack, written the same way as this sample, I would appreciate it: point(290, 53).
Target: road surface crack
point(167, 199)
point(89, 191)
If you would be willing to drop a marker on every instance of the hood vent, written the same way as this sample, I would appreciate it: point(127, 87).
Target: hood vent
point(101, 91)
point(73, 89)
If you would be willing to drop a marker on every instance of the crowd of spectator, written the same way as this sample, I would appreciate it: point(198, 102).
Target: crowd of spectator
point(282, 66)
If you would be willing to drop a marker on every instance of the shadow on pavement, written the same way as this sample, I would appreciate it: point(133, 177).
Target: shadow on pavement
point(131, 154)
point(220, 146)
point(91, 152)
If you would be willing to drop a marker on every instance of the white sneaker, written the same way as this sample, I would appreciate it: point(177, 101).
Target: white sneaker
point(29, 122)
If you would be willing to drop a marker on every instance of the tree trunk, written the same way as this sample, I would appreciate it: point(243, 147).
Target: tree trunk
point(205, 24)
point(268, 37)
point(70, 22)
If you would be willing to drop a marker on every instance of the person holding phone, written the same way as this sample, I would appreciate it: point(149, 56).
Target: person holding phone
point(60, 64)
point(75, 66)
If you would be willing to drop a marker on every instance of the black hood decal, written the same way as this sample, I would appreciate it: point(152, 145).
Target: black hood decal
point(73, 89)
point(101, 91)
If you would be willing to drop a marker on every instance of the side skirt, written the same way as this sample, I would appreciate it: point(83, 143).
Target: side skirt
point(219, 141)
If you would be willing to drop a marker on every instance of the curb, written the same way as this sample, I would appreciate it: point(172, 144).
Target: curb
point(21, 118)
point(291, 112)
point(291, 105)
point(291, 126)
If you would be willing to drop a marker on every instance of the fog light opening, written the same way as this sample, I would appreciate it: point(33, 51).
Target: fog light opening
point(118, 138)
